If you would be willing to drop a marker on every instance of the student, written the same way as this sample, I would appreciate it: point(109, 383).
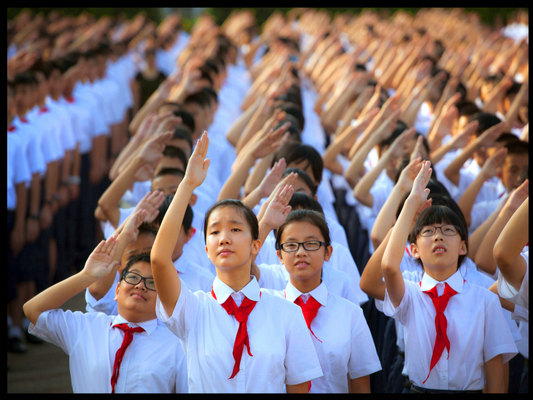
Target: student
point(476, 345)
point(274, 332)
point(154, 361)
point(340, 273)
point(340, 333)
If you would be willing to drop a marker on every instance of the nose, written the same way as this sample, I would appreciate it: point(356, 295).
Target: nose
point(224, 238)
point(141, 285)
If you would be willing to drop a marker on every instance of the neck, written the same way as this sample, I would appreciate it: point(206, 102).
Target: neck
point(235, 279)
point(306, 285)
point(441, 274)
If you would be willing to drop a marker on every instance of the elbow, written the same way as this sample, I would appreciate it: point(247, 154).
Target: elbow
point(30, 313)
point(501, 257)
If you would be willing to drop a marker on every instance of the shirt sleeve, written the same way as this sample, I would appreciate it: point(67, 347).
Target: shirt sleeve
point(61, 328)
point(364, 358)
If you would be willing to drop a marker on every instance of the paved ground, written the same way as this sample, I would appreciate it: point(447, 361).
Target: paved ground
point(44, 367)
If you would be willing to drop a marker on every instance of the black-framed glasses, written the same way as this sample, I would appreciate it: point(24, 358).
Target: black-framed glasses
point(134, 278)
point(310, 245)
point(447, 230)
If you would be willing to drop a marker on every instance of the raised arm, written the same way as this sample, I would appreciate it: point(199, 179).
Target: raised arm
point(387, 215)
point(484, 258)
point(393, 254)
point(167, 282)
point(363, 187)
point(489, 169)
point(486, 138)
point(99, 263)
point(514, 236)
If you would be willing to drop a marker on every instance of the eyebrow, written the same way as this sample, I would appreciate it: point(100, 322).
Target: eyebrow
point(311, 237)
point(231, 221)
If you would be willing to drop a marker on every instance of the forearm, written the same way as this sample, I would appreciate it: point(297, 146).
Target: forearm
point(258, 173)
point(468, 198)
point(484, 257)
point(452, 170)
point(240, 124)
point(513, 238)
point(362, 189)
point(387, 216)
point(167, 281)
point(372, 277)
point(108, 204)
point(232, 186)
point(55, 296)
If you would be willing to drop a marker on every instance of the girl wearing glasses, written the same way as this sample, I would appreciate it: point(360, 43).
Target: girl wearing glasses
point(456, 338)
point(237, 337)
point(126, 353)
point(339, 330)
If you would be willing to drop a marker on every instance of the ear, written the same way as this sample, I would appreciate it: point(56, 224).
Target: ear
point(278, 253)
point(329, 252)
point(193, 199)
point(414, 250)
point(190, 234)
point(462, 248)
point(116, 290)
point(256, 246)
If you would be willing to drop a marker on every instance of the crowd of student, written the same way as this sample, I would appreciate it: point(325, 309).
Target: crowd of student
point(321, 205)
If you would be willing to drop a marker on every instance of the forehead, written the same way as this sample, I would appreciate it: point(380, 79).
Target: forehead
point(142, 268)
point(520, 160)
point(301, 230)
point(226, 214)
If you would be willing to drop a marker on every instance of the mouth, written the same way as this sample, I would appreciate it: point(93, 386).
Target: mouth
point(137, 295)
point(439, 250)
point(301, 265)
point(225, 252)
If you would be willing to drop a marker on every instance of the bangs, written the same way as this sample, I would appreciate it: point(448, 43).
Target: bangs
point(438, 214)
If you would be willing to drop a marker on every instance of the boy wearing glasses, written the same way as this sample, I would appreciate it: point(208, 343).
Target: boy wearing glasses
point(126, 353)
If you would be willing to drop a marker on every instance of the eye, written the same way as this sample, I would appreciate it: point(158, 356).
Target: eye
point(236, 229)
point(213, 232)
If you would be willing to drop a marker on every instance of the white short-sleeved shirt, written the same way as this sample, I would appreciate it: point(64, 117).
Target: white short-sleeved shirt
point(476, 329)
point(283, 352)
point(153, 363)
point(32, 146)
point(507, 291)
point(18, 170)
point(347, 347)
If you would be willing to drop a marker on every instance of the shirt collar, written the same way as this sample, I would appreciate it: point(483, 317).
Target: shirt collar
point(456, 282)
point(223, 291)
point(148, 326)
point(320, 293)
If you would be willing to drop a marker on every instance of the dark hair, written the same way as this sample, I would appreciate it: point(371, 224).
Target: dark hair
point(183, 132)
point(187, 217)
point(246, 212)
point(400, 127)
point(294, 110)
point(300, 200)
point(176, 152)
point(485, 121)
point(186, 118)
point(313, 217)
point(134, 259)
point(296, 152)
point(517, 147)
point(506, 138)
point(466, 108)
point(303, 176)
point(170, 171)
point(436, 214)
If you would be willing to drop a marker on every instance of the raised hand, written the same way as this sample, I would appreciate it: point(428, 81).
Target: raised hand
point(272, 178)
point(150, 203)
point(277, 210)
point(493, 165)
point(419, 192)
point(198, 163)
point(100, 261)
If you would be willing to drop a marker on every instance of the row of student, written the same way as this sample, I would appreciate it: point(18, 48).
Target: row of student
point(69, 104)
point(273, 134)
point(514, 167)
